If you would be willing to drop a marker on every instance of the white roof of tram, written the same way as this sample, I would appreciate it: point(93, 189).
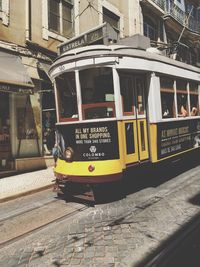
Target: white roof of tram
point(114, 50)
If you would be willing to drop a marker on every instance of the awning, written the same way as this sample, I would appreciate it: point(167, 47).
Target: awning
point(13, 75)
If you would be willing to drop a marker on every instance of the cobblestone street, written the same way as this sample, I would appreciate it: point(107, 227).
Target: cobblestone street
point(121, 233)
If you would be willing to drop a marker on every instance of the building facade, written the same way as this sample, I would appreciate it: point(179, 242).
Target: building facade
point(31, 34)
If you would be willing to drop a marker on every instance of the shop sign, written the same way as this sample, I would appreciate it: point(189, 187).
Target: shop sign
point(93, 141)
point(9, 88)
point(175, 137)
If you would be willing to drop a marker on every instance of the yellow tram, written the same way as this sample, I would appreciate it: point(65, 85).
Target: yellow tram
point(118, 106)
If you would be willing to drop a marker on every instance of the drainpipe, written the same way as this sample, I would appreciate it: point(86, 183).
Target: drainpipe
point(28, 33)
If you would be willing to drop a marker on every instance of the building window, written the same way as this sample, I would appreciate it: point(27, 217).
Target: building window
point(26, 125)
point(150, 29)
point(111, 18)
point(4, 11)
point(60, 17)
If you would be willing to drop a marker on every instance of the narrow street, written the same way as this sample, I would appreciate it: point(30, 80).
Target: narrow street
point(46, 231)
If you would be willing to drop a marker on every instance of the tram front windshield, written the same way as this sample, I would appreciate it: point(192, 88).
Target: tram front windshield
point(97, 94)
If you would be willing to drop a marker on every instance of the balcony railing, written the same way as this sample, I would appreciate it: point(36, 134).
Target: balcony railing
point(179, 15)
point(174, 11)
point(194, 25)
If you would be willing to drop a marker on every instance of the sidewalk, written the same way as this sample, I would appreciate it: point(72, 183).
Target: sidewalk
point(21, 184)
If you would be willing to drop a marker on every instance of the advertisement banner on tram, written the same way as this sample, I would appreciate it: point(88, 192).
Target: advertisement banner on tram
point(175, 137)
point(92, 141)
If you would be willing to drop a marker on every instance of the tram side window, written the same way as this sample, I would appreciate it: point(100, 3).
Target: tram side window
point(126, 88)
point(194, 99)
point(140, 96)
point(67, 98)
point(97, 93)
point(167, 97)
point(182, 98)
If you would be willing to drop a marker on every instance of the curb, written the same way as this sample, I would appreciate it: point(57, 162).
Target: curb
point(29, 192)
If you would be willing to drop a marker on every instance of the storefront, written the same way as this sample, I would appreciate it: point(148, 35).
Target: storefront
point(48, 109)
point(44, 97)
point(19, 136)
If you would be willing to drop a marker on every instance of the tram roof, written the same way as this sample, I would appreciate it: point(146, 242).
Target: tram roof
point(117, 51)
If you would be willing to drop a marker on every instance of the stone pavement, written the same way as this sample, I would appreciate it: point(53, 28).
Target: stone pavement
point(119, 234)
point(21, 184)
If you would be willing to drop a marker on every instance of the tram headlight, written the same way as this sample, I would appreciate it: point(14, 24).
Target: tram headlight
point(69, 154)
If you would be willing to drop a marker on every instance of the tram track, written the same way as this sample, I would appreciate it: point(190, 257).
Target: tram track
point(9, 217)
point(19, 226)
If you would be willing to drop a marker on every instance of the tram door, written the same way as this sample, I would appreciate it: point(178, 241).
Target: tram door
point(134, 113)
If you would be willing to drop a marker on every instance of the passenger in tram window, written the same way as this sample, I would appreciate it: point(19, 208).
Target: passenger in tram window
point(165, 111)
point(167, 105)
point(194, 111)
point(183, 112)
point(182, 103)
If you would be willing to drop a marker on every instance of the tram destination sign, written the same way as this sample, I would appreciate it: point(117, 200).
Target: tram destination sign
point(175, 137)
point(92, 141)
point(102, 34)
point(82, 40)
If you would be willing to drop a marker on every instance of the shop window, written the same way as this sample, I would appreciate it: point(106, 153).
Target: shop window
point(26, 122)
point(182, 98)
point(48, 117)
point(48, 127)
point(111, 18)
point(60, 17)
point(167, 97)
point(126, 89)
point(67, 97)
point(97, 93)
point(5, 144)
point(4, 119)
point(194, 99)
point(47, 95)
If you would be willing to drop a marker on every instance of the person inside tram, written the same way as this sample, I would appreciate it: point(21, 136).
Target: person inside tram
point(194, 111)
point(182, 103)
point(183, 111)
point(166, 106)
point(165, 110)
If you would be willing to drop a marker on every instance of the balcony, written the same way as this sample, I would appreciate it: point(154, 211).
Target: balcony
point(156, 6)
point(175, 12)
point(172, 14)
